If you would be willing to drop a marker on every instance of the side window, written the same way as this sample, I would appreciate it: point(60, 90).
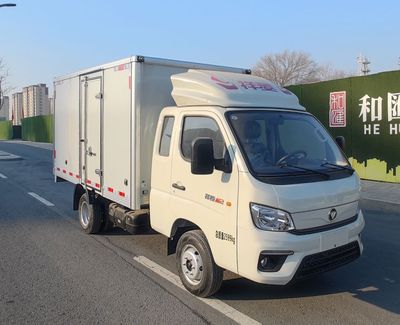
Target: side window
point(201, 127)
point(166, 133)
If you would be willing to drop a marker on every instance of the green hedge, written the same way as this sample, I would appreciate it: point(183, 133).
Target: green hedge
point(5, 130)
point(38, 128)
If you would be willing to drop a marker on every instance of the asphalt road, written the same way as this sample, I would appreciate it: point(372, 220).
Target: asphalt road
point(51, 272)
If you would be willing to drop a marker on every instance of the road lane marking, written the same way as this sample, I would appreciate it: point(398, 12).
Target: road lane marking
point(217, 304)
point(39, 198)
point(2, 176)
point(8, 156)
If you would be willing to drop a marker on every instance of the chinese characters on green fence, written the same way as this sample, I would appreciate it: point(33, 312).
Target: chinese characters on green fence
point(371, 112)
point(337, 109)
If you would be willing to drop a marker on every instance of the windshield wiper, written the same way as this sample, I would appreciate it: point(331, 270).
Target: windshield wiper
point(305, 169)
point(350, 169)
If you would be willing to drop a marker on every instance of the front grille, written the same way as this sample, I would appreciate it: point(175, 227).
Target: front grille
point(324, 227)
point(327, 260)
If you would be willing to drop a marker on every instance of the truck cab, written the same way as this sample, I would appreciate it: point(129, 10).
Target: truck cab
point(244, 179)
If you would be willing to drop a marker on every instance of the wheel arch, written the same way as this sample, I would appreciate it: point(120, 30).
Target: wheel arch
point(179, 227)
point(78, 192)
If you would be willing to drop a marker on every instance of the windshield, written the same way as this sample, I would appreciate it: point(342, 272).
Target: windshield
point(281, 143)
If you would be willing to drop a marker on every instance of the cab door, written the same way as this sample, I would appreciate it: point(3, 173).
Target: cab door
point(209, 201)
point(160, 194)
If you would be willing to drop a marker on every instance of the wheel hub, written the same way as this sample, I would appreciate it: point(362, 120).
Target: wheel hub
point(192, 264)
point(84, 214)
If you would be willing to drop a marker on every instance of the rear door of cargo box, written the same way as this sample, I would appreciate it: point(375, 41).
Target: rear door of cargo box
point(66, 129)
point(92, 105)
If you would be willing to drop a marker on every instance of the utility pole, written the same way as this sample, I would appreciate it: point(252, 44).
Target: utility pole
point(363, 63)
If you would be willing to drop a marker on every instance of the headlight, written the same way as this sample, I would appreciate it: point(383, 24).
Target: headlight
point(267, 218)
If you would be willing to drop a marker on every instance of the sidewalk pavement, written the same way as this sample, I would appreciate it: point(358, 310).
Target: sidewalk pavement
point(380, 191)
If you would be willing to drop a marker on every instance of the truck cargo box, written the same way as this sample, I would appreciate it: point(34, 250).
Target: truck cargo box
point(105, 122)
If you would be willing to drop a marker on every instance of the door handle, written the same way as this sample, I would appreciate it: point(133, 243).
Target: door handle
point(179, 187)
point(89, 152)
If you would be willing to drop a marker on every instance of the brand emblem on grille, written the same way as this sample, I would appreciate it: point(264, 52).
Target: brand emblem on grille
point(332, 215)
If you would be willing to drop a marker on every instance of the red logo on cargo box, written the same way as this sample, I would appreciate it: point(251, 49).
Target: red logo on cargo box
point(337, 109)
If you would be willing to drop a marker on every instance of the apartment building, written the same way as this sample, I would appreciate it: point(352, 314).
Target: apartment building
point(51, 105)
point(35, 100)
point(17, 108)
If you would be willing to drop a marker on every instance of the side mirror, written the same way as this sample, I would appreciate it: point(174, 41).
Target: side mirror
point(341, 142)
point(224, 164)
point(202, 156)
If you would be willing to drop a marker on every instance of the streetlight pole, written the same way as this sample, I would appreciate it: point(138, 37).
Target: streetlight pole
point(1, 78)
point(7, 5)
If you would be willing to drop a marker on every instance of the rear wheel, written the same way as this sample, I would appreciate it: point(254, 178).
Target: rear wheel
point(89, 215)
point(196, 267)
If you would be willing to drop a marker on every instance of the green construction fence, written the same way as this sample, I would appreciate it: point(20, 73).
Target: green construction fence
point(6, 130)
point(38, 128)
point(370, 120)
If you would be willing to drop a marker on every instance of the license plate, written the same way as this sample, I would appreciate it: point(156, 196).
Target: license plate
point(332, 239)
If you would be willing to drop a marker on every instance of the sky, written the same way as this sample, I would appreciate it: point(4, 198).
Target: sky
point(42, 39)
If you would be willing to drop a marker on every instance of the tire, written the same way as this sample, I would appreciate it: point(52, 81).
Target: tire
point(196, 267)
point(89, 215)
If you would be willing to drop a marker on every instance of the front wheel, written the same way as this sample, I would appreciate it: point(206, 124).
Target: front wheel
point(89, 215)
point(196, 267)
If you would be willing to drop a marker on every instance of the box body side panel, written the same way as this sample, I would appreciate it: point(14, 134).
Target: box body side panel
point(153, 93)
point(117, 134)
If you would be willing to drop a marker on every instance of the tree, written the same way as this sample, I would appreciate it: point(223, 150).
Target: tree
point(327, 72)
point(292, 67)
point(3, 85)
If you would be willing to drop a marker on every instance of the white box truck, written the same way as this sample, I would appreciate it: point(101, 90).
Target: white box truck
point(229, 166)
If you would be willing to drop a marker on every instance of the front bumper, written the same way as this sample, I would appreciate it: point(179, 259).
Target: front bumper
point(312, 253)
point(327, 260)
